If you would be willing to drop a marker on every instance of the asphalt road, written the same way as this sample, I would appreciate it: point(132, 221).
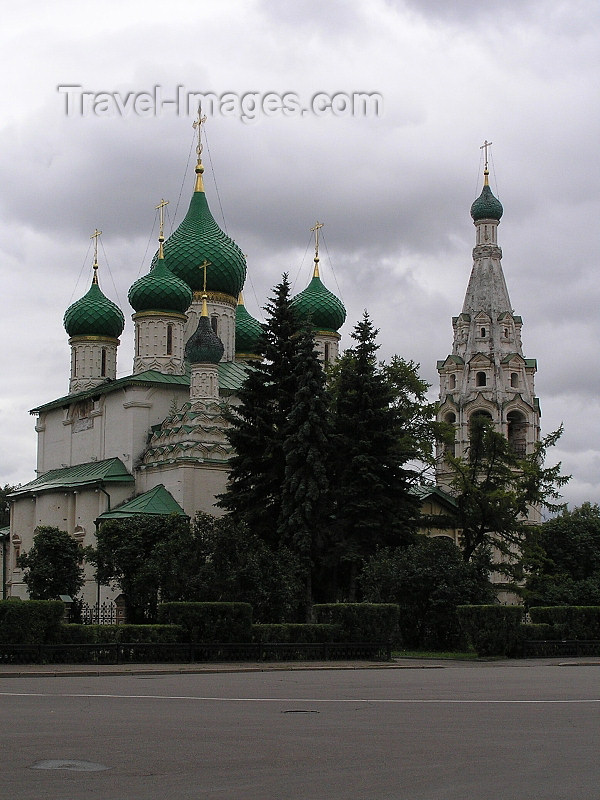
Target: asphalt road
point(461, 731)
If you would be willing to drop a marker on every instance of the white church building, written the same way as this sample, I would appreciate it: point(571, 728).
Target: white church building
point(155, 442)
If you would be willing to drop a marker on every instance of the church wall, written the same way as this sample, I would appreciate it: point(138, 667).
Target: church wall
point(193, 488)
point(71, 511)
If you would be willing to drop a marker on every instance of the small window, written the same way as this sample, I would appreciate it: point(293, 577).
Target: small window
point(481, 379)
point(169, 340)
point(506, 333)
point(327, 352)
point(103, 363)
point(482, 333)
point(452, 382)
point(514, 380)
point(214, 324)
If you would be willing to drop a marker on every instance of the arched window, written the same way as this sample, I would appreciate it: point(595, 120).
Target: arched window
point(481, 379)
point(169, 339)
point(103, 363)
point(482, 332)
point(452, 382)
point(450, 447)
point(514, 380)
point(326, 352)
point(517, 432)
point(214, 324)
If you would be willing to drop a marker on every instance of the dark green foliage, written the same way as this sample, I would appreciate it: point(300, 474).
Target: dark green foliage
point(537, 632)
point(221, 560)
point(209, 622)
point(493, 630)
point(305, 499)
point(569, 622)
point(140, 555)
point(52, 565)
point(4, 506)
point(30, 621)
point(296, 633)
point(106, 634)
point(371, 480)
point(494, 490)
point(259, 423)
point(361, 622)
point(562, 559)
point(428, 580)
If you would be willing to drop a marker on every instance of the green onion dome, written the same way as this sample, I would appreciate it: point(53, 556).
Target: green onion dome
point(486, 206)
point(160, 290)
point(204, 346)
point(248, 331)
point(322, 307)
point(200, 239)
point(94, 315)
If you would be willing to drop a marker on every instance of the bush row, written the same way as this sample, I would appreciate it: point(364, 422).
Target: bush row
point(39, 622)
point(30, 621)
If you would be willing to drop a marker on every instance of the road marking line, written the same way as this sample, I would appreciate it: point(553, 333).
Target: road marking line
point(391, 701)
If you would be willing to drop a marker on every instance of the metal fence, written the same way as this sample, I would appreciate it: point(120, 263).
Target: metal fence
point(145, 653)
point(108, 614)
point(566, 647)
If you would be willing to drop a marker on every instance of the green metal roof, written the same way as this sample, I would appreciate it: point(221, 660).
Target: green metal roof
point(486, 206)
point(160, 290)
point(248, 331)
point(112, 470)
point(94, 315)
point(156, 502)
point(199, 238)
point(316, 303)
point(231, 377)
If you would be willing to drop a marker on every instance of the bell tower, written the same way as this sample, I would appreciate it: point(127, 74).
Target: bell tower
point(487, 373)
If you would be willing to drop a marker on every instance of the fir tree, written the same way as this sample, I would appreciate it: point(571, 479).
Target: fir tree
point(373, 503)
point(305, 501)
point(258, 424)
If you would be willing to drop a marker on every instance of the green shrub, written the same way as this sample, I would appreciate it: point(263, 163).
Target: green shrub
point(569, 622)
point(107, 634)
point(537, 632)
point(361, 622)
point(209, 622)
point(295, 633)
point(30, 621)
point(492, 630)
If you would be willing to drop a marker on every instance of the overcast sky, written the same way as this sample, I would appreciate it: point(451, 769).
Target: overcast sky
point(393, 189)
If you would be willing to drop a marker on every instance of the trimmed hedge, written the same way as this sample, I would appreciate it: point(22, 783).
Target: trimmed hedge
point(493, 630)
point(569, 622)
point(537, 632)
point(209, 622)
point(30, 621)
point(108, 634)
point(295, 633)
point(361, 622)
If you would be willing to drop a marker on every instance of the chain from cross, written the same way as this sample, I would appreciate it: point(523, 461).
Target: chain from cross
point(485, 146)
point(197, 125)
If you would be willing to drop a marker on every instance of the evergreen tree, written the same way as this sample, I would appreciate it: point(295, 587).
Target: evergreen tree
point(374, 506)
point(259, 423)
point(495, 489)
point(305, 501)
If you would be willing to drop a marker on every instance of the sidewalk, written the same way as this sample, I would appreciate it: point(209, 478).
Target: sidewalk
point(94, 670)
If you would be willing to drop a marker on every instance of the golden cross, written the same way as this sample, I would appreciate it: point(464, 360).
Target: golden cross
point(316, 228)
point(95, 236)
point(197, 125)
point(161, 210)
point(485, 146)
point(203, 266)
